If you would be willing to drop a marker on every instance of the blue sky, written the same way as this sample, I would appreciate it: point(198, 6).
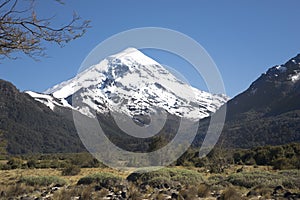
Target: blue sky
point(244, 38)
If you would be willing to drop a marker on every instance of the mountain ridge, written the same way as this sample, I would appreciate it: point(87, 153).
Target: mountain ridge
point(268, 112)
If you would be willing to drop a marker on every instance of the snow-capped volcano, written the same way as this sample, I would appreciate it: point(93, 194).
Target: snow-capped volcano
point(134, 84)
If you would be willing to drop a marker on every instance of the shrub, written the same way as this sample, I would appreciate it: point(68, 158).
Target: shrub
point(71, 170)
point(260, 190)
point(188, 194)
point(134, 192)
point(15, 163)
point(103, 179)
point(288, 178)
point(171, 176)
point(230, 194)
point(5, 167)
point(203, 190)
point(251, 179)
point(12, 191)
point(31, 163)
point(42, 180)
point(282, 163)
point(64, 194)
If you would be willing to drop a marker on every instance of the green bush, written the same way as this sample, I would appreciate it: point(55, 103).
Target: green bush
point(251, 179)
point(188, 194)
point(282, 163)
point(171, 176)
point(15, 163)
point(288, 178)
point(103, 179)
point(42, 180)
point(14, 190)
point(31, 163)
point(291, 178)
point(203, 190)
point(71, 170)
point(230, 194)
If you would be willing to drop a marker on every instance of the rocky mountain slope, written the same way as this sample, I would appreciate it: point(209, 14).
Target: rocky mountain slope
point(268, 112)
point(28, 126)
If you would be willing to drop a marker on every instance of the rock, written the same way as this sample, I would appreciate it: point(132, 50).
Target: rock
point(278, 189)
point(166, 185)
point(174, 196)
point(26, 198)
point(123, 194)
point(178, 187)
point(53, 189)
point(287, 194)
point(44, 194)
point(252, 193)
point(98, 188)
point(58, 185)
point(2, 194)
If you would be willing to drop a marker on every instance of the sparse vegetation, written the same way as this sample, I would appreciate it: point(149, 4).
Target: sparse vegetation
point(278, 157)
point(268, 179)
point(42, 180)
point(71, 170)
point(203, 190)
point(237, 179)
point(170, 176)
point(230, 193)
point(103, 179)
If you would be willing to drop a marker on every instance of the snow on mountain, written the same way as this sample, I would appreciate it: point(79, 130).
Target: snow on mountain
point(134, 84)
point(49, 100)
point(296, 77)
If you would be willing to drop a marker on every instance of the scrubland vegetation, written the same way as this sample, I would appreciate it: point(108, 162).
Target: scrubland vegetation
point(270, 172)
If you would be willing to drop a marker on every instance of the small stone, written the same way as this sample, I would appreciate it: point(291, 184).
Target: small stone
point(174, 196)
point(123, 194)
point(252, 193)
point(98, 188)
point(2, 194)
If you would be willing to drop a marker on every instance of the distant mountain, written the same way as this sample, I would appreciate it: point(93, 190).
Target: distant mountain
point(133, 84)
point(28, 126)
point(268, 112)
point(128, 83)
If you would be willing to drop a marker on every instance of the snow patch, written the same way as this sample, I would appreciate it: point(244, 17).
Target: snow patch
point(282, 69)
point(294, 78)
point(49, 100)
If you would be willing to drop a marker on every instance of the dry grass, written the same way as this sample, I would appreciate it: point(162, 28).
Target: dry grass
point(10, 177)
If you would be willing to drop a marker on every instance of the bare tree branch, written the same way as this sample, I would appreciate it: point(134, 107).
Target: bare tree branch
point(26, 34)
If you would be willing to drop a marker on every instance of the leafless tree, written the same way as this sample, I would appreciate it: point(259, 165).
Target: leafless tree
point(22, 30)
